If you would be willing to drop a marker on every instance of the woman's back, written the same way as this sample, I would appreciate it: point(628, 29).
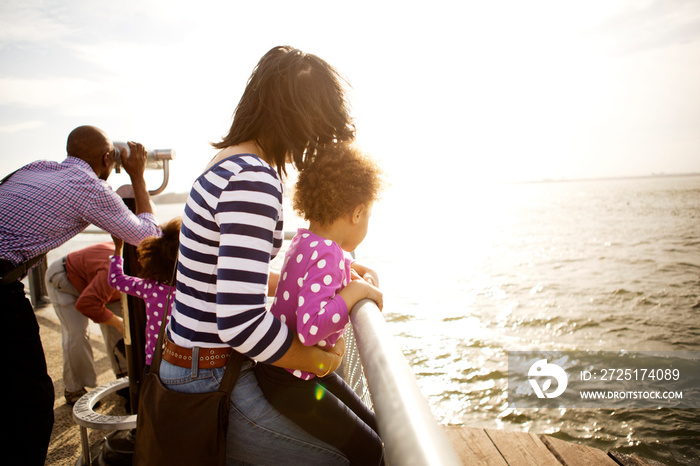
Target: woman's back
point(237, 202)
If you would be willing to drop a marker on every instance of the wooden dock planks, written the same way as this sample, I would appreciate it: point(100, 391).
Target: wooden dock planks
point(522, 449)
point(573, 454)
point(493, 447)
point(474, 446)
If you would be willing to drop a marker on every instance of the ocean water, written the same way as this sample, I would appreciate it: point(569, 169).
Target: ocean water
point(603, 265)
point(470, 272)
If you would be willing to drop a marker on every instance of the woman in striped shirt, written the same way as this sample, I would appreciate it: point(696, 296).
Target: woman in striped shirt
point(293, 104)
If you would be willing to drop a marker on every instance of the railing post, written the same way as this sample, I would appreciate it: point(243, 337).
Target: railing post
point(408, 428)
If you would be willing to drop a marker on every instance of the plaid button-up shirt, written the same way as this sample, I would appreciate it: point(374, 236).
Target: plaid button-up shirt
point(46, 203)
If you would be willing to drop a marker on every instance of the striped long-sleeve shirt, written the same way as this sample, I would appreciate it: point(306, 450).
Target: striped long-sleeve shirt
point(231, 230)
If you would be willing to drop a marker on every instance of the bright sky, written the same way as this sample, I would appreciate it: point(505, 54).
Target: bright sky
point(487, 90)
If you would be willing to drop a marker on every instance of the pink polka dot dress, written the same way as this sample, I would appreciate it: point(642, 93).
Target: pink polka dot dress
point(154, 294)
point(315, 269)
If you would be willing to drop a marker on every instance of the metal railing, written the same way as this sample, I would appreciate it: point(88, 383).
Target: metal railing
point(408, 428)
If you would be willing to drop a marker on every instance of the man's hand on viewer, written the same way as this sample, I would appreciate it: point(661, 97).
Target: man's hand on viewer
point(135, 164)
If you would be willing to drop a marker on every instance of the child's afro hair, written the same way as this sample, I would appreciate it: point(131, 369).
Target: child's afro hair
point(157, 254)
point(340, 178)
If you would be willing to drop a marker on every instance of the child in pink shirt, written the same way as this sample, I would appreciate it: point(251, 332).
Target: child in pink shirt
point(157, 256)
point(318, 285)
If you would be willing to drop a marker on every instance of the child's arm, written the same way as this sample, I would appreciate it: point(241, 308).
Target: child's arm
point(272, 283)
point(118, 245)
point(116, 322)
point(118, 280)
point(369, 275)
point(357, 290)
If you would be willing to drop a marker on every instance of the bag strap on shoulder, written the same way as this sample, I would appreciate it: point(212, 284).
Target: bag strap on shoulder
point(233, 367)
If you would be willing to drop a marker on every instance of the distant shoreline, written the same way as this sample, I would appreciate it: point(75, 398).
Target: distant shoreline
point(181, 198)
point(170, 198)
point(574, 180)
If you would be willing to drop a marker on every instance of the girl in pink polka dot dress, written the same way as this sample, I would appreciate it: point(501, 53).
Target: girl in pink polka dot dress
point(157, 257)
point(318, 285)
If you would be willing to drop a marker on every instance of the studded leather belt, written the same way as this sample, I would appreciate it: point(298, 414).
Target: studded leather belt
point(208, 357)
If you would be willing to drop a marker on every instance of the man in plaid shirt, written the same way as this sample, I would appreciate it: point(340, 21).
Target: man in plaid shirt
point(43, 205)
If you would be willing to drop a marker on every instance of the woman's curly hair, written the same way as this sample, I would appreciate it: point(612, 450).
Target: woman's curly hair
point(340, 178)
point(157, 254)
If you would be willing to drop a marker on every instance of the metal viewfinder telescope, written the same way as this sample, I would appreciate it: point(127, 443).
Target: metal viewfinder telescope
point(155, 159)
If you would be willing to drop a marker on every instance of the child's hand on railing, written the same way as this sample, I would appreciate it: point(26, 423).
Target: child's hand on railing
point(360, 289)
point(367, 274)
point(371, 277)
point(376, 296)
